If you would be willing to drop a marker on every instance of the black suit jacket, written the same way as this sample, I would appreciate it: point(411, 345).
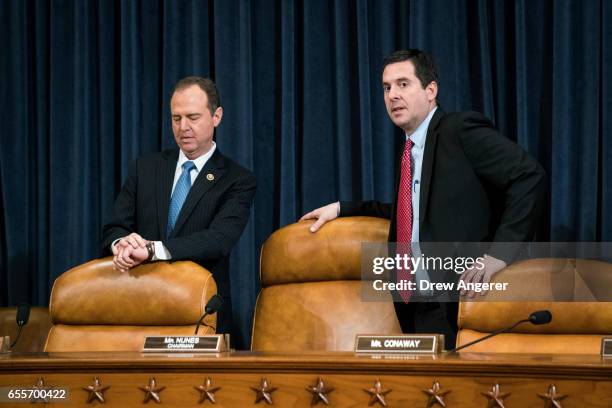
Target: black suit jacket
point(211, 220)
point(476, 185)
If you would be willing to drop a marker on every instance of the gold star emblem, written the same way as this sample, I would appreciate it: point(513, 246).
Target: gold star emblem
point(319, 392)
point(152, 391)
point(210, 177)
point(435, 395)
point(207, 391)
point(96, 391)
point(264, 392)
point(377, 395)
point(40, 385)
point(552, 398)
point(495, 397)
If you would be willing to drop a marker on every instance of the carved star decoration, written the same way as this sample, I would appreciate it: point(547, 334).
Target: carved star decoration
point(207, 391)
point(435, 395)
point(319, 392)
point(377, 394)
point(552, 398)
point(40, 385)
point(96, 391)
point(152, 391)
point(264, 392)
point(496, 397)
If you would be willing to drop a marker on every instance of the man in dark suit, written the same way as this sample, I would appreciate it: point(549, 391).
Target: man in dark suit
point(190, 203)
point(453, 168)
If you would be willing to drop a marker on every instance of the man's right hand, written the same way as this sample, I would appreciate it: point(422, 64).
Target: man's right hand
point(322, 215)
point(124, 250)
point(122, 261)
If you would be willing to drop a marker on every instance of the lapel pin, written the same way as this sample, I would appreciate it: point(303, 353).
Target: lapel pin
point(210, 177)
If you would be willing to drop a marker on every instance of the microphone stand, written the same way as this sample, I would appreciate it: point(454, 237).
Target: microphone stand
point(17, 338)
point(495, 333)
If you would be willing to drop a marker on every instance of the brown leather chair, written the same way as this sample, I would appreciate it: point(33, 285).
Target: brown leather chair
point(311, 288)
point(94, 308)
point(34, 333)
point(577, 326)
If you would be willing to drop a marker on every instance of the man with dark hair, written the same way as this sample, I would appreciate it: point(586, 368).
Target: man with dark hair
point(205, 84)
point(424, 66)
point(190, 203)
point(453, 167)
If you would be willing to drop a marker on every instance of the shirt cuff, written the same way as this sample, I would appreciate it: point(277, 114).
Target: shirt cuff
point(112, 245)
point(161, 252)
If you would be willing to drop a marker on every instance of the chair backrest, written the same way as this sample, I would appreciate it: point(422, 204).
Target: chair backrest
point(577, 327)
point(311, 288)
point(95, 308)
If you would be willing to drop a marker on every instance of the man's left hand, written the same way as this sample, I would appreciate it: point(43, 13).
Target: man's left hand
point(128, 257)
point(483, 275)
point(139, 255)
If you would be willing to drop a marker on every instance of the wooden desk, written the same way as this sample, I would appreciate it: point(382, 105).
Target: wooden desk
point(585, 380)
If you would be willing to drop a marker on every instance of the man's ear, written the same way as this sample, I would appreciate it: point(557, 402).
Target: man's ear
point(432, 90)
point(217, 116)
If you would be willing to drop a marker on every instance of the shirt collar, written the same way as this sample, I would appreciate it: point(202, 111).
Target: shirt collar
point(200, 161)
point(420, 134)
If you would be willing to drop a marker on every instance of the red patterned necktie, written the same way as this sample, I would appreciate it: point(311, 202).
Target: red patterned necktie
point(404, 217)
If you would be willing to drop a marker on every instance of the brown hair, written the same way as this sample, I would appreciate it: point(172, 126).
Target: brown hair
point(205, 84)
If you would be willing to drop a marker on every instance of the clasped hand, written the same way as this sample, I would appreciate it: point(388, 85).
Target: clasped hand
point(129, 252)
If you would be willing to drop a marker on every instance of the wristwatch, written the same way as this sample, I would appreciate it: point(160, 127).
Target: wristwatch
point(150, 250)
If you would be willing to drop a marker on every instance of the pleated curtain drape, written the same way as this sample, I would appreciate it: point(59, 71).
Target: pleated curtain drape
point(85, 88)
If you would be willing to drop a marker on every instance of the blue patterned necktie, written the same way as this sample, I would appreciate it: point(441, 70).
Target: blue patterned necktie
point(183, 185)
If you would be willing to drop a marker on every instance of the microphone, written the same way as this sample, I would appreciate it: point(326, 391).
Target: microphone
point(23, 315)
point(537, 318)
point(540, 317)
point(213, 306)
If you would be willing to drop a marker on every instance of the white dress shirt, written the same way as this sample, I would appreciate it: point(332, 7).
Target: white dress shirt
point(418, 137)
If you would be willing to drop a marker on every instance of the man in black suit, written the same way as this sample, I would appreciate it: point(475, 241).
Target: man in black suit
point(453, 168)
point(190, 203)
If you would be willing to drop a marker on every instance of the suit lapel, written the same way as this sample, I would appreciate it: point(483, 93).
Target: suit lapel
point(210, 174)
point(427, 165)
point(165, 175)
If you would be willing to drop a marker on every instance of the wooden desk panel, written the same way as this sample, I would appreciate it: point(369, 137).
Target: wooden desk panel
point(586, 380)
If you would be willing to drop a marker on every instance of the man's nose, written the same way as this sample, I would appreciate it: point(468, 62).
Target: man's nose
point(184, 124)
point(393, 94)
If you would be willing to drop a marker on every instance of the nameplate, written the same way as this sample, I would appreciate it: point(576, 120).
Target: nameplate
point(407, 343)
point(606, 347)
point(180, 344)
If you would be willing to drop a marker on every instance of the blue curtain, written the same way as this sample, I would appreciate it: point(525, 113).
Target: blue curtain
point(86, 85)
